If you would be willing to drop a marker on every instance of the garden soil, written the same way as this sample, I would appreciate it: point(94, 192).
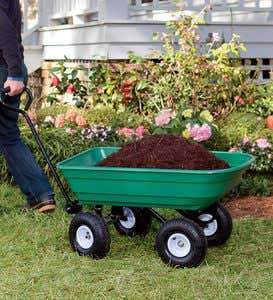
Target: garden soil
point(164, 151)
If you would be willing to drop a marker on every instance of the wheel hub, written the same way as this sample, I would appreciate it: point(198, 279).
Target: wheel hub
point(84, 237)
point(179, 245)
point(211, 227)
point(131, 220)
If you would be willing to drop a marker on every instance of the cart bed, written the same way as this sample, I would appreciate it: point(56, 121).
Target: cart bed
point(140, 187)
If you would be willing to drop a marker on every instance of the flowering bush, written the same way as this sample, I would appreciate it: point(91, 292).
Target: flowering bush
point(187, 122)
point(261, 149)
point(202, 76)
point(76, 125)
point(65, 82)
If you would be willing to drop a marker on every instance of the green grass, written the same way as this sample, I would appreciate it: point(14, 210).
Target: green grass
point(36, 262)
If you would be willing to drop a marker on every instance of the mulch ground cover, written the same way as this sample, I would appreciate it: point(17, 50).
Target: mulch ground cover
point(251, 206)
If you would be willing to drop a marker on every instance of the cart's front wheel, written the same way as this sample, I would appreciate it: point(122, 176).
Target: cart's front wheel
point(181, 243)
point(217, 224)
point(89, 235)
point(132, 220)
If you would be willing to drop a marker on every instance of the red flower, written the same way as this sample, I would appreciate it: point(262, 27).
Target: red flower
point(125, 90)
point(241, 101)
point(127, 83)
point(70, 89)
point(55, 81)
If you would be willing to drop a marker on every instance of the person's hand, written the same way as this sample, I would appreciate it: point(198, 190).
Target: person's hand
point(16, 87)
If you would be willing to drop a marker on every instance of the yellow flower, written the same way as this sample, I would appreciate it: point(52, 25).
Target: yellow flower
point(185, 133)
point(206, 116)
point(187, 113)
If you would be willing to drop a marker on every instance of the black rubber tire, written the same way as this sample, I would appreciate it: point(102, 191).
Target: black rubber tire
point(195, 236)
point(99, 229)
point(224, 224)
point(223, 220)
point(143, 221)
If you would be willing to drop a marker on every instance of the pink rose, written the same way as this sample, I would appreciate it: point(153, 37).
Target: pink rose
point(140, 131)
point(60, 121)
point(263, 143)
point(71, 115)
point(127, 132)
point(80, 121)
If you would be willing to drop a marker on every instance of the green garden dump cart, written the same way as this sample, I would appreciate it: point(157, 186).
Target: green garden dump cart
point(133, 195)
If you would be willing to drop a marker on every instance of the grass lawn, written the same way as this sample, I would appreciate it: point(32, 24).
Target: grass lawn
point(36, 262)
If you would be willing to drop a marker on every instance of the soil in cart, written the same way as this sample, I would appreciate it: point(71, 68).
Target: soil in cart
point(164, 151)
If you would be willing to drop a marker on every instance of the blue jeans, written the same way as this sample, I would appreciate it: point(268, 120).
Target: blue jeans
point(22, 166)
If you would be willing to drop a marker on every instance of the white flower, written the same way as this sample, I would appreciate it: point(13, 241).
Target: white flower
point(216, 38)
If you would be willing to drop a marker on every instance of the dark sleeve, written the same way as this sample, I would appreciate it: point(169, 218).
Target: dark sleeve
point(9, 44)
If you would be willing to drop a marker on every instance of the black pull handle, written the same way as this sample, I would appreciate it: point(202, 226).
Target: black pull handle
point(30, 98)
point(6, 90)
point(28, 92)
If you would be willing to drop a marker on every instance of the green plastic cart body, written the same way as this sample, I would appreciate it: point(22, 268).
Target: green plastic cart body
point(141, 187)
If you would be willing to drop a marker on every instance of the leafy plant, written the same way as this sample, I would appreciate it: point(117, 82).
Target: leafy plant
point(261, 103)
point(65, 81)
point(255, 185)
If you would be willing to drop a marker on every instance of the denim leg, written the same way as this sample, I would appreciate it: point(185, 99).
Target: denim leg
point(22, 166)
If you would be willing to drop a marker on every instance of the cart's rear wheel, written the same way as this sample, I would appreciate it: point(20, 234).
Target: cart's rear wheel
point(217, 224)
point(89, 235)
point(132, 220)
point(181, 242)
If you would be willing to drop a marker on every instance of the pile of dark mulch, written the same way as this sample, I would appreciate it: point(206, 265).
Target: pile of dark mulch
point(166, 152)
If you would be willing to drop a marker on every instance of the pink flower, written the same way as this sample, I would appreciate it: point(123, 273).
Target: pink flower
point(127, 132)
point(245, 140)
point(80, 121)
point(233, 149)
point(71, 131)
point(199, 133)
point(263, 143)
point(197, 38)
point(49, 119)
point(55, 81)
point(60, 121)
point(140, 131)
point(163, 118)
point(71, 115)
point(33, 116)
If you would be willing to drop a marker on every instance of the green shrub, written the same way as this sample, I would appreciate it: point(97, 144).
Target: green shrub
point(105, 115)
point(256, 185)
point(242, 124)
point(262, 104)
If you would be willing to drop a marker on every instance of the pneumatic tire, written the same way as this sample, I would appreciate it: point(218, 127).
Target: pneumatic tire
point(137, 221)
point(181, 243)
point(89, 235)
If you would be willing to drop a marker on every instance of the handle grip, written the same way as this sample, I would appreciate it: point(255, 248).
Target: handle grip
point(27, 90)
point(5, 90)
